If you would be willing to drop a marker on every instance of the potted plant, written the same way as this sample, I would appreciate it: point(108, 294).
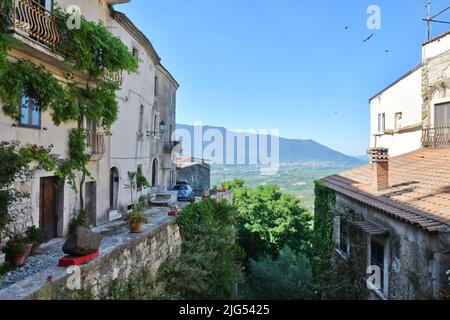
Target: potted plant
point(136, 221)
point(15, 251)
point(36, 236)
point(224, 188)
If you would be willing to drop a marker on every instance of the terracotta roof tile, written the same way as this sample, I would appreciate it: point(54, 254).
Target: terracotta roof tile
point(419, 192)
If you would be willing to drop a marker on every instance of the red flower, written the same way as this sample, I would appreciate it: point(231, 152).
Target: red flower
point(50, 278)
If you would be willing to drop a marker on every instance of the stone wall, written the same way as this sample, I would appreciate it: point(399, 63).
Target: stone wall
point(417, 260)
point(197, 175)
point(122, 254)
point(435, 84)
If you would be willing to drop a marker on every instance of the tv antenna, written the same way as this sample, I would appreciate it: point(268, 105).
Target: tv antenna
point(434, 18)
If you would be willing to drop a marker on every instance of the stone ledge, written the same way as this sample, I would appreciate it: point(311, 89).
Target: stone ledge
point(120, 254)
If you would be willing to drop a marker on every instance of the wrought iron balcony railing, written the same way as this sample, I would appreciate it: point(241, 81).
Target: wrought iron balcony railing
point(116, 77)
point(96, 143)
point(436, 137)
point(33, 20)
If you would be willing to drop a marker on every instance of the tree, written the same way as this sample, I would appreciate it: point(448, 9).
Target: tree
point(288, 277)
point(269, 220)
point(209, 265)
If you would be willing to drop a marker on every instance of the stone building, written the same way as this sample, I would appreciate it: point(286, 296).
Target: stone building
point(142, 137)
point(197, 172)
point(400, 205)
point(136, 138)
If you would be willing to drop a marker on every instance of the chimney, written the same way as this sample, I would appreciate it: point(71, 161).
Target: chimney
point(380, 168)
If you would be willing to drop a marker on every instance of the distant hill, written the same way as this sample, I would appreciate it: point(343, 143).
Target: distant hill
point(291, 150)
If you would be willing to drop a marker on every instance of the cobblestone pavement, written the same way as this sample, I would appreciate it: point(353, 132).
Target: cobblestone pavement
point(113, 233)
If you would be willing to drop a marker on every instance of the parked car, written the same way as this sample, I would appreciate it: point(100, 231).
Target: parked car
point(185, 192)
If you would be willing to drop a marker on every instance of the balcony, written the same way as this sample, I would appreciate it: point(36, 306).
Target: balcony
point(96, 143)
point(436, 137)
point(32, 20)
point(169, 146)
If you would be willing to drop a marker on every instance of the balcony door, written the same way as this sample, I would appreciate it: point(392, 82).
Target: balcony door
point(46, 4)
point(442, 115)
point(442, 125)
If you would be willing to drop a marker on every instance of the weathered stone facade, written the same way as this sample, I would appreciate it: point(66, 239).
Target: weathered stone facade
point(435, 84)
point(416, 261)
point(198, 175)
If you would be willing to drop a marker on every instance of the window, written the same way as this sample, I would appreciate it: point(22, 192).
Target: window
point(344, 241)
point(156, 86)
point(398, 120)
point(141, 120)
point(381, 122)
point(135, 53)
point(377, 258)
point(30, 112)
point(138, 185)
point(442, 115)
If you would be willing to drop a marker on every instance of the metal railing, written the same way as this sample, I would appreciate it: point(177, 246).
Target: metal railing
point(36, 21)
point(436, 137)
point(96, 143)
point(116, 77)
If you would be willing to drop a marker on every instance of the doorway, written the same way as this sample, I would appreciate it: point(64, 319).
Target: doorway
point(155, 173)
point(114, 189)
point(442, 125)
point(91, 202)
point(48, 215)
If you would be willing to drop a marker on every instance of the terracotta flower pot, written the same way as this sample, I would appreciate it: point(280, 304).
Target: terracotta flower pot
point(28, 248)
point(137, 228)
point(18, 261)
point(36, 249)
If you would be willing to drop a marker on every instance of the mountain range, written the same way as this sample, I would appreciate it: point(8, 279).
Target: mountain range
point(291, 150)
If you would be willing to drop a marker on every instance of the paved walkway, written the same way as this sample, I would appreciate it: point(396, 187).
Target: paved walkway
point(114, 234)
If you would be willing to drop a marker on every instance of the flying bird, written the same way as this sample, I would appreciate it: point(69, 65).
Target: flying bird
point(369, 37)
point(387, 51)
point(347, 27)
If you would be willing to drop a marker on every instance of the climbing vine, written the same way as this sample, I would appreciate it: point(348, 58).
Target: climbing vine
point(337, 278)
point(93, 53)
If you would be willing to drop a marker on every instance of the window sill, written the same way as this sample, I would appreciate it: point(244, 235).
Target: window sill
point(380, 294)
point(342, 254)
point(28, 127)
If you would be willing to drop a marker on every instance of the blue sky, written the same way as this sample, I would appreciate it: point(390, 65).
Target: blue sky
point(283, 64)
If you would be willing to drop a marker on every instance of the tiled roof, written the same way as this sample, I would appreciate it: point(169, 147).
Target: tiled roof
point(419, 192)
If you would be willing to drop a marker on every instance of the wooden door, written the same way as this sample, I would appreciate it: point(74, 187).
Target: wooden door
point(48, 207)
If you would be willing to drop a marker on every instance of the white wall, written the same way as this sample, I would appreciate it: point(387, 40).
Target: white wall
point(404, 97)
point(128, 149)
point(436, 47)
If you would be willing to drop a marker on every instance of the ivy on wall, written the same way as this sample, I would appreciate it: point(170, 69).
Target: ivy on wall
point(337, 277)
point(325, 200)
point(92, 52)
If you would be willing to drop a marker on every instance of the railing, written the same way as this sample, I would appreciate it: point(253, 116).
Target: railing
point(33, 19)
point(96, 142)
point(170, 145)
point(436, 137)
point(116, 77)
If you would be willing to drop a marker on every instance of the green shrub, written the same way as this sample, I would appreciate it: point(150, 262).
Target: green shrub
point(80, 220)
point(209, 264)
point(288, 277)
point(269, 219)
point(35, 234)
